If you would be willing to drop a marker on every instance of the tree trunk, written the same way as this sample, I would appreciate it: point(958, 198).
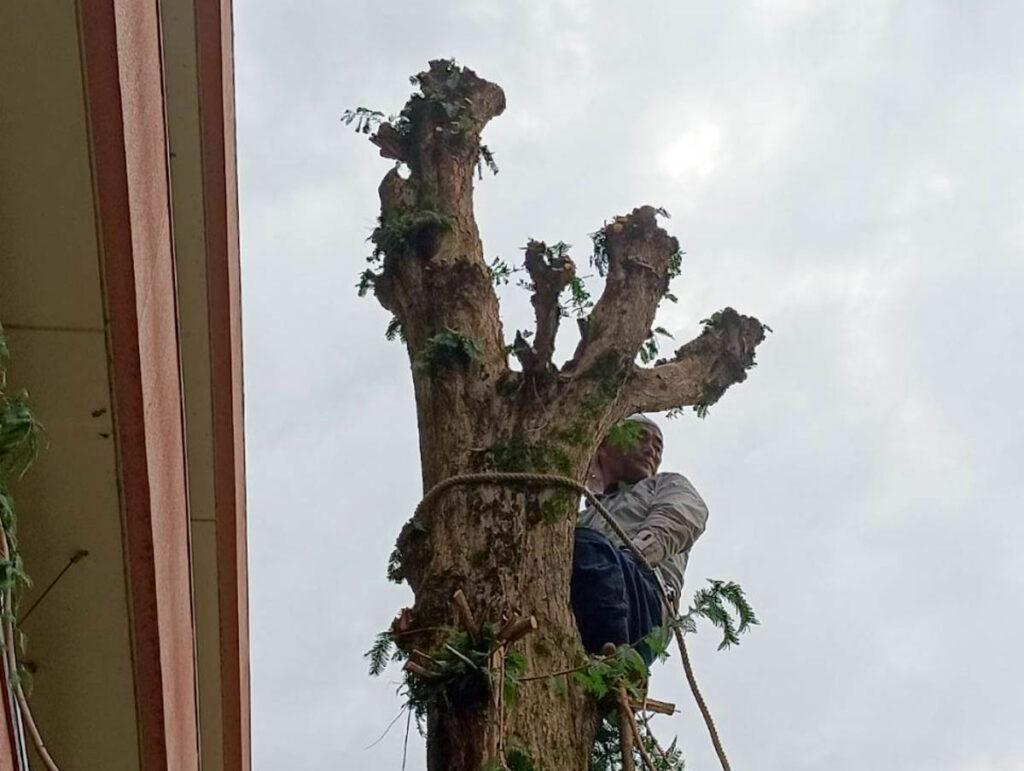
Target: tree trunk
point(508, 548)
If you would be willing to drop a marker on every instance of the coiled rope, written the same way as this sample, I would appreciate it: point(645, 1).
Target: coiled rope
point(556, 480)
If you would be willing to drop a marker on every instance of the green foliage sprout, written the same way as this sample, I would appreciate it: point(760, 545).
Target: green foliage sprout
point(383, 652)
point(459, 672)
point(599, 257)
point(401, 232)
point(366, 120)
point(709, 394)
point(649, 350)
point(606, 754)
point(675, 265)
point(605, 674)
point(447, 350)
point(459, 669)
point(444, 96)
point(500, 272)
point(394, 330)
point(516, 454)
point(626, 434)
point(396, 573)
point(713, 603)
point(485, 157)
point(516, 759)
point(713, 322)
point(580, 301)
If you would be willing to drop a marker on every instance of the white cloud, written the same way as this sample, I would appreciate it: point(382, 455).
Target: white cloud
point(694, 153)
point(920, 191)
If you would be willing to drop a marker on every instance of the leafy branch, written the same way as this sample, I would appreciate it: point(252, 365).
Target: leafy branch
point(500, 271)
point(606, 754)
point(713, 603)
point(366, 120)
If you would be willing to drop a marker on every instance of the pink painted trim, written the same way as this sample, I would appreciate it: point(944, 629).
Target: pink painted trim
point(127, 134)
point(217, 126)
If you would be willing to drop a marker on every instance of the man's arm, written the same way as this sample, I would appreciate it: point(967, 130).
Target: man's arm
point(676, 518)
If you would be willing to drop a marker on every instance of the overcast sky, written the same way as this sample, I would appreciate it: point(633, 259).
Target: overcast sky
point(850, 173)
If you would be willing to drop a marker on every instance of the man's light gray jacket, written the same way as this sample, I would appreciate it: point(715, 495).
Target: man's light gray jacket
point(665, 504)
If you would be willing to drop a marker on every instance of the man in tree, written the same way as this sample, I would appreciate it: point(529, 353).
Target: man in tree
point(615, 599)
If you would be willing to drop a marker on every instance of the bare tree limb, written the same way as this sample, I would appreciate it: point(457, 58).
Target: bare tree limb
point(638, 253)
point(550, 270)
point(702, 370)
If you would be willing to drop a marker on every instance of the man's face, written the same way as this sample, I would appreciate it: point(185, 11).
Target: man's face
point(634, 462)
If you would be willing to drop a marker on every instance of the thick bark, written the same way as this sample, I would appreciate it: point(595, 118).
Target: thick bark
point(702, 370)
point(509, 549)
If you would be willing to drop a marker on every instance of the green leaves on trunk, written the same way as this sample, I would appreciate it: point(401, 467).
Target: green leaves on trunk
point(447, 350)
point(458, 671)
point(515, 454)
point(407, 231)
point(604, 674)
point(626, 435)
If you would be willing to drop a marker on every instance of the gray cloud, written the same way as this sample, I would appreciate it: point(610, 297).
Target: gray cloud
point(849, 173)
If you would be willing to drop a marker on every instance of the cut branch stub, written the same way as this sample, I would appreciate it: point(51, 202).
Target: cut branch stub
point(550, 270)
point(453, 102)
point(702, 369)
point(515, 630)
point(639, 253)
point(432, 274)
point(648, 704)
point(439, 128)
point(464, 614)
point(390, 141)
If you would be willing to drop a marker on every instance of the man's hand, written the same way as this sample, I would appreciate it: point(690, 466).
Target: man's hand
point(649, 545)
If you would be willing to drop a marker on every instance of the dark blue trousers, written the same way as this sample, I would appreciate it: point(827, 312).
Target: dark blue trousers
point(614, 598)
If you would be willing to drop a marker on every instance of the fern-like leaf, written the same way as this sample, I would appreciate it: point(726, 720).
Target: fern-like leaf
point(381, 653)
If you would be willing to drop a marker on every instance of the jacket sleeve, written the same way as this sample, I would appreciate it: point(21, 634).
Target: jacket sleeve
point(678, 515)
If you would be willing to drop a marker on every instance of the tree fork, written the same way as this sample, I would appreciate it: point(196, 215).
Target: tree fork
point(509, 550)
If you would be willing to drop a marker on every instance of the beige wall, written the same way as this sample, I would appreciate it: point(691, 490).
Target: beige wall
point(51, 305)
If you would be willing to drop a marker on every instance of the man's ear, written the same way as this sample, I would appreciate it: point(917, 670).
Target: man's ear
point(595, 472)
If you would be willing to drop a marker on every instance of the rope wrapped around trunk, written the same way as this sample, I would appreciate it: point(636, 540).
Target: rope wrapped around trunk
point(556, 480)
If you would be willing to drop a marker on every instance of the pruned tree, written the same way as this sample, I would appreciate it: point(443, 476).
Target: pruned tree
point(508, 547)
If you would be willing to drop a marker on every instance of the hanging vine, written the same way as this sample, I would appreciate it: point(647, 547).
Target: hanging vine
point(19, 432)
